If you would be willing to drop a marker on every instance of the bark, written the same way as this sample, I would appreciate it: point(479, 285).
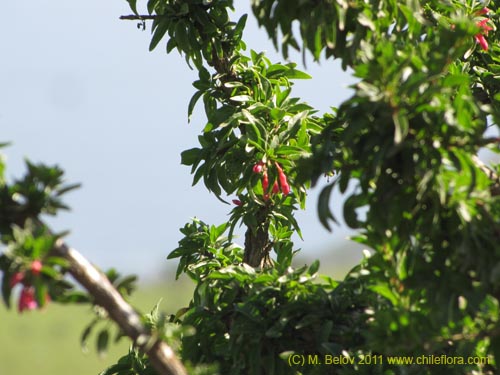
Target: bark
point(257, 244)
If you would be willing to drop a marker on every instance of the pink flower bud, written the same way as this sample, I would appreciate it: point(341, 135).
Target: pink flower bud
point(16, 279)
point(237, 202)
point(36, 267)
point(257, 168)
point(27, 299)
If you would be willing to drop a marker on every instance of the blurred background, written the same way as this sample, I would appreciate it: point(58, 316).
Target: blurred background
point(78, 88)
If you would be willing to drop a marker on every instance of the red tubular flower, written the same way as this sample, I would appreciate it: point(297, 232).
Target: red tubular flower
point(27, 299)
point(16, 279)
point(484, 31)
point(483, 24)
point(482, 41)
point(265, 182)
point(265, 185)
point(276, 188)
point(36, 267)
point(285, 188)
point(483, 11)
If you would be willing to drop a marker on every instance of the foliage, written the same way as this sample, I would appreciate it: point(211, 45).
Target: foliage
point(425, 103)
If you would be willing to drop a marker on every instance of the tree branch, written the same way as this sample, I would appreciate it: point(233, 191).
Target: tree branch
point(137, 17)
point(97, 284)
point(495, 188)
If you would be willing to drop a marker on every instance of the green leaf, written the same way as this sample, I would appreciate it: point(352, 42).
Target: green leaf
point(314, 267)
point(197, 95)
point(40, 292)
point(241, 98)
point(133, 6)
point(296, 74)
point(117, 368)
point(159, 33)
point(401, 126)
point(152, 5)
point(350, 206)
point(324, 212)
point(191, 156)
point(240, 26)
point(67, 189)
point(384, 291)
point(54, 260)
point(102, 342)
point(181, 36)
point(74, 297)
point(86, 333)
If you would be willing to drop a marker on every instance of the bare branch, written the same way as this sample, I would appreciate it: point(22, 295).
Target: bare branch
point(97, 284)
point(136, 17)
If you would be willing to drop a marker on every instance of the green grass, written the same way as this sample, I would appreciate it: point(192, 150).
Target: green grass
point(47, 342)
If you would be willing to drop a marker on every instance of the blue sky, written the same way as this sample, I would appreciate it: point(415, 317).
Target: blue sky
point(79, 89)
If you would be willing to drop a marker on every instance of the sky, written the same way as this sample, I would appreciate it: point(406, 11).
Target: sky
point(79, 88)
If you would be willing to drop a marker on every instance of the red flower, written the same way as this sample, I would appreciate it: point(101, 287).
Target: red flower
point(484, 31)
point(483, 24)
point(237, 202)
point(483, 11)
point(276, 188)
point(36, 267)
point(285, 188)
point(16, 279)
point(482, 41)
point(27, 299)
point(265, 182)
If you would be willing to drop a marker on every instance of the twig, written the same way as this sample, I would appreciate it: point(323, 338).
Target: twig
point(137, 17)
point(97, 284)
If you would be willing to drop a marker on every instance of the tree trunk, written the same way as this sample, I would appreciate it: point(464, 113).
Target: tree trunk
point(257, 244)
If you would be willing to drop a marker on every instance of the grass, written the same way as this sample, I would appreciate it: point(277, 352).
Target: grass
point(47, 342)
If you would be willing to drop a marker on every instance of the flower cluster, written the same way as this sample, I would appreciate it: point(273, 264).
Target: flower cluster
point(483, 25)
point(281, 184)
point(27, 298)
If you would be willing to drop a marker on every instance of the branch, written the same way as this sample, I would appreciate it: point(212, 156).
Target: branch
point(137, 17)
point(97, 284)
point(495, 188)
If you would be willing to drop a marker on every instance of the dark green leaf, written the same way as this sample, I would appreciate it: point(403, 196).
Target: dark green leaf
point(133, 5)
point(314, 267)
point(102, 342)
point(324, 211)
point(159, 33)
point(191, 156)
point(192, 103)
